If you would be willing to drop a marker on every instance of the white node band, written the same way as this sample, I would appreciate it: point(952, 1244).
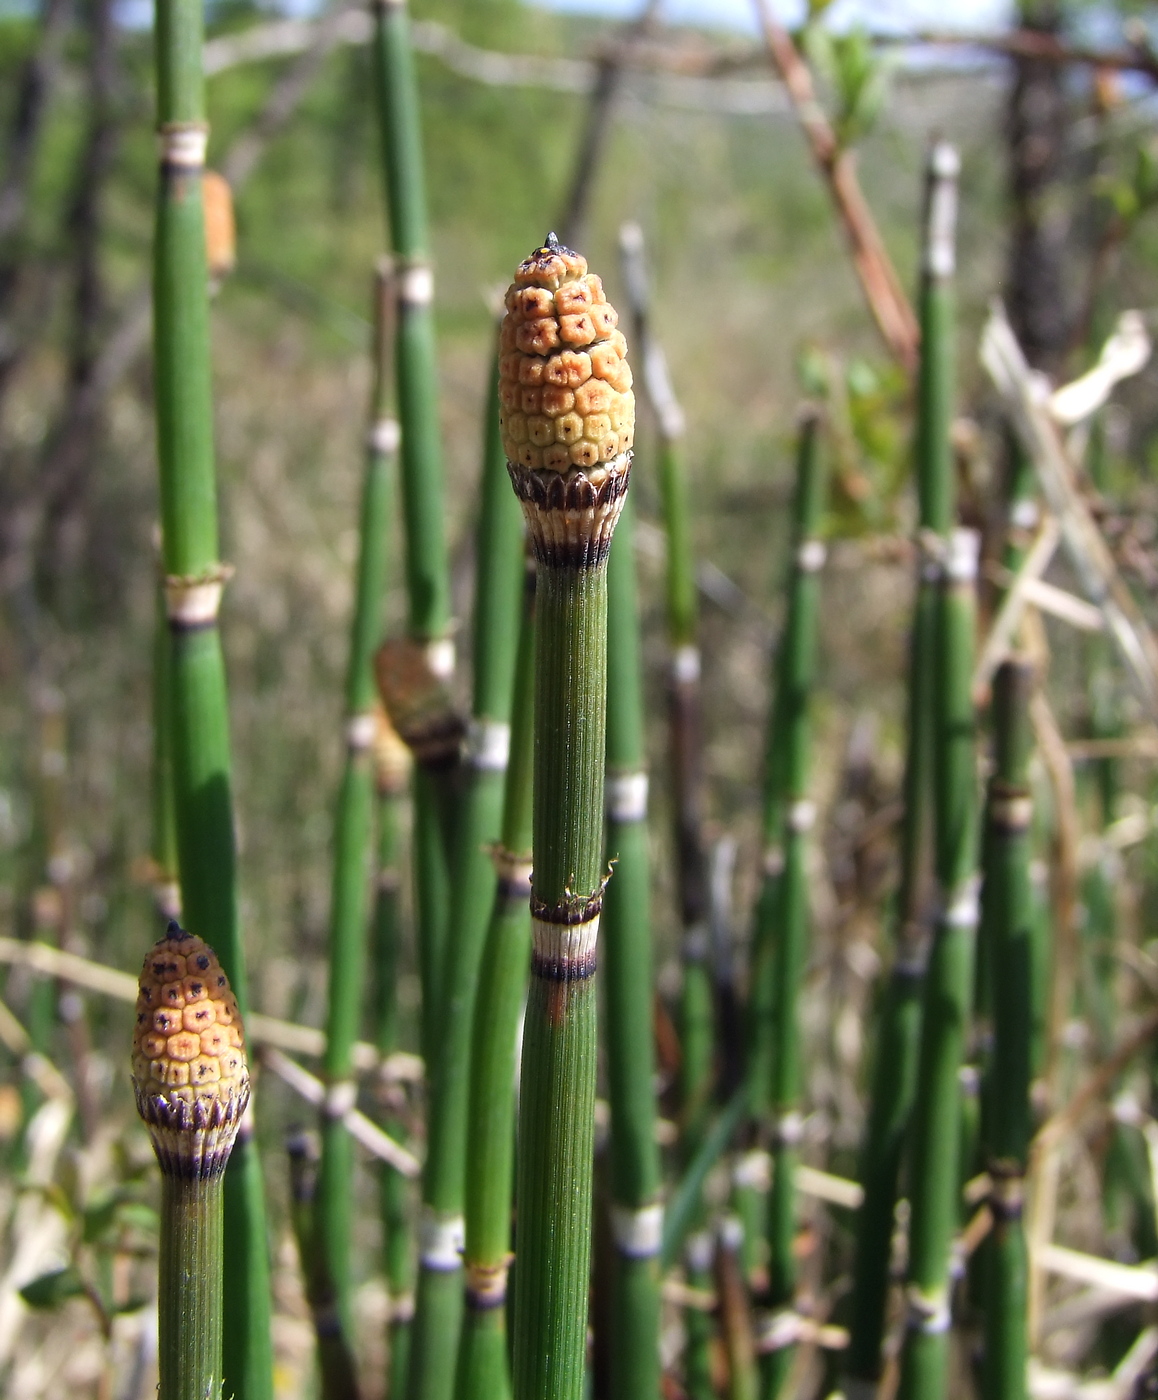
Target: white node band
point(964, 909)
point(512, 869)
point(564, 943)
point(697, 943)
point(789, 1129)
point(440, 657)
point(685, 664)
point(340, 1098)
point(962, 556)
point(184, 145)
point(440, 1241)
point(810, 556)
point(753, 1169)
point(731, 1232)
point(416, 285)
point(928, 1315)
point(385, 436)
point(773, 862)
point(193, 602)
point(637, 1233)
point(488, 745)
point(1025, 515)
point(940, 249)
point(698, 1251)
point(626, 797)
point(361, 731)
point(1016, 812)
point(801, 816)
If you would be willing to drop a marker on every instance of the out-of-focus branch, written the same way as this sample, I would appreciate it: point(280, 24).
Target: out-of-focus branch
point(882, 288)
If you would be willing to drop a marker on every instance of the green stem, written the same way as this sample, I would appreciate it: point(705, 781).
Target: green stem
point(790, 754)
point(948, 999)
point(894, 1075)
point(483, 1366)
point(353, 828)
point(190, 1288)
point(499, 576)
point(636, 1215)
point(1008, 921)
point(201, 763)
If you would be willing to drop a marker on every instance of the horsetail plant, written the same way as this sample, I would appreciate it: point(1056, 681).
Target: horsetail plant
point(194, 580)
point(191, 1084)
point(499, 578)
point(894, 1074)
point(567, 425)
point(684, 703)
point(483, 1364)
point(789, 759)
point(354, 823)
point(948, 993)
point(1009, 918)
point(392, 780)
point(636, 1212)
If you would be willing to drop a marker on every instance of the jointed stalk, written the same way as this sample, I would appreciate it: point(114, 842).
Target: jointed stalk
point(636, 1214)
point(353, 827)
point(568, 421)
point(948, 998)
point(483, 1366)
point(498, 586)
point(1009, 915)
point(894, 1074)
point(192, 1087)
point(790, 746)
point(193, 587)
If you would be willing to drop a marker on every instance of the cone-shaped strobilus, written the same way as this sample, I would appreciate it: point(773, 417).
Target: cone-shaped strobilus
point(894, 1074)
point(567, 425)
point(194, 579)
point(191, 1083)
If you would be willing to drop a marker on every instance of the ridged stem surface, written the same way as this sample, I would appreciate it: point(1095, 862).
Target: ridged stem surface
point(628, 992)
point(557, 1103)
point(936, 1126)
point(189, 1293)
point(1008, 921)
point(353, 829)
point(897, 1048)
point(790, 760)
point(498, 587)
point(200, 734)
point(483, 1362)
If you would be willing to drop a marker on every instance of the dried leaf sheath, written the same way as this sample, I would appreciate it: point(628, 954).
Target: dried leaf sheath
point(570, 473)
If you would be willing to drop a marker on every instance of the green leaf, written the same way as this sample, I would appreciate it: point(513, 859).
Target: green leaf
point(53, 1288)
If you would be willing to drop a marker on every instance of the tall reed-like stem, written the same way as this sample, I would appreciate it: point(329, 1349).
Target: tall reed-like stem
point(353, 825)
point(948, 995)
point(636, 1213)
point(894, 1074)
point(191, 1084)
point(790, 755)
point(568, 422)
point(193, 586)
point(483, 1365)
point(427, 573)
point(392, 773)
point(498, 584)
point(1009, 916)
point(697, 1052)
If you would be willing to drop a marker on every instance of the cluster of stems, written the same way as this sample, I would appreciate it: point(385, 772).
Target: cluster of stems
point(194, 578)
